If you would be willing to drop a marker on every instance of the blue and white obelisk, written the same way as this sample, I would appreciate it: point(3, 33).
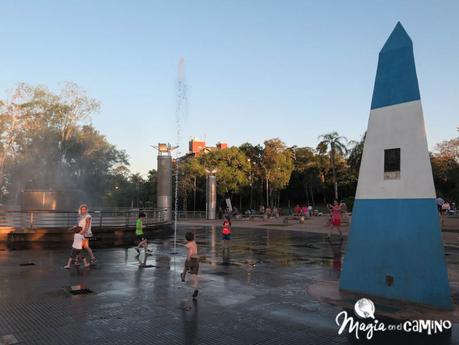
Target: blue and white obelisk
point(395, 248)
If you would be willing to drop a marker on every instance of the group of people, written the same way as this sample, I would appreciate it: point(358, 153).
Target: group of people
point(226, 212)
point(338, 210)
point(274, 212)
point(303, 211)
point(83, 233)
point(444, 206)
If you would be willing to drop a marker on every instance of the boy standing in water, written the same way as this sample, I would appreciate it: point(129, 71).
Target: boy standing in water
point(191, 263)
point(143, 243)
point(77, 247)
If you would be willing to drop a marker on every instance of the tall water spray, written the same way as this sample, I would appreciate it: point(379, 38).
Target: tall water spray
point(180, 114)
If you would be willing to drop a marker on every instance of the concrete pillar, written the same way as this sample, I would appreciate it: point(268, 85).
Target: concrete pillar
point(211, 197)
point(164, 185)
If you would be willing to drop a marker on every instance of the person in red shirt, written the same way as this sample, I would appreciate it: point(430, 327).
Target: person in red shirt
point(297, 210)
point(226, 232)
point(335, 210)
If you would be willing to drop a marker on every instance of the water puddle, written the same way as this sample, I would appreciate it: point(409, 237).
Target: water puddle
point(27, 264)
point(79, 290)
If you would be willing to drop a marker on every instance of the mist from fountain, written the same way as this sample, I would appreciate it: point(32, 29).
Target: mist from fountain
point(180, 116)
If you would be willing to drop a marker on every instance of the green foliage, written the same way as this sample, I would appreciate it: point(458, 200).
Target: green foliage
point(190, 170)
point(445, 167)
point(336, 146)
point(232, 169)
point(46, 143)
point(355, 155)
point(277, 163)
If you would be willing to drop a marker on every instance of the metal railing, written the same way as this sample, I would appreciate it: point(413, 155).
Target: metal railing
point(116, 218)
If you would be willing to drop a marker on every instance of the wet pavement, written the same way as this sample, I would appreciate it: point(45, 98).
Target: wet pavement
point(254, 292)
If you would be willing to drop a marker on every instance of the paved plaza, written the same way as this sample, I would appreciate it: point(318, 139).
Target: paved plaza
point(254, 293)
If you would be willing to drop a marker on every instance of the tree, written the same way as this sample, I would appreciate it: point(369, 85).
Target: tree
point(232, 169)
point(254, 154)
point(355, 155)
point(150, 189)
point(12, 118)
point(278, 166)
point(190, 169)
point(46, 144)
point(445, 168)
point(307, 173)
point(334, 144)
point(449, 149)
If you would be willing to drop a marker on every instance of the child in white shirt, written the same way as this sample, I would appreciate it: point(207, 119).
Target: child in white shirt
point(77, 246)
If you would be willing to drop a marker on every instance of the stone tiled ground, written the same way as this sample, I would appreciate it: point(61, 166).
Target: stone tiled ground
point(254, 293)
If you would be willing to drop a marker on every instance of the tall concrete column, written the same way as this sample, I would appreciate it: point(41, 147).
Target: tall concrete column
point(211, 196)
point(164, 184)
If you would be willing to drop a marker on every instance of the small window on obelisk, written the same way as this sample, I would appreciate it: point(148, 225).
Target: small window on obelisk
point(392, 164)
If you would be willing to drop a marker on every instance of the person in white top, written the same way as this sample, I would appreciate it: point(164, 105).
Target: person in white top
point(77, 246)
point(446, 207)
point(85, 221)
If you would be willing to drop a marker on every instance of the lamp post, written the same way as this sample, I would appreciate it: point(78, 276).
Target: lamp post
point(164, 179)
point(211, 194)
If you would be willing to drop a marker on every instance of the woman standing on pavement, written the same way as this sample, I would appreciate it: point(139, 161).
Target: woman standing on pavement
point(84, 221)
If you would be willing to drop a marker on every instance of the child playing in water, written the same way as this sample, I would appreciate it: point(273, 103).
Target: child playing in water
point(335, 211)
point(226, 232)
point(191, 263)
point(143, 243)
point(77, 247)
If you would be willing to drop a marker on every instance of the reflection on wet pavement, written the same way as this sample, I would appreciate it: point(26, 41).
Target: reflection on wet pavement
point(252, 291)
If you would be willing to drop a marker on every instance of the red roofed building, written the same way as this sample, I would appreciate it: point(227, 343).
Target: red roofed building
point(196, 146)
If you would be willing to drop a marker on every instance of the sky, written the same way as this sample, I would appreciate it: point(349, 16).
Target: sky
point(254, 69)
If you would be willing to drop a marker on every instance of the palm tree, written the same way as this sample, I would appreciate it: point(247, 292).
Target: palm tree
point(333, 143)
point(355, 154)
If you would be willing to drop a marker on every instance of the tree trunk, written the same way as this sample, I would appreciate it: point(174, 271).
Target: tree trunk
point(185, 201)
point(335, 184)
point(312, 197)
point(194, 195)
point(267, 192)
point(2, 170)
point(272, 200)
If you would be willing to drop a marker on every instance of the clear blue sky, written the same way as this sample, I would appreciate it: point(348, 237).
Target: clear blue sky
point(255, 69)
